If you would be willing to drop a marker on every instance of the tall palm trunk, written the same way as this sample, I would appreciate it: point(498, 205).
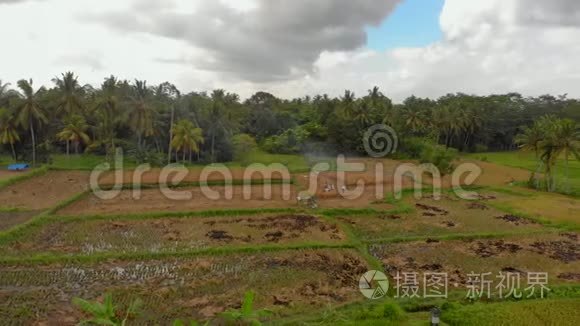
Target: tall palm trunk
point(184, 155)
point(13, 151)
point(139, 141)
point(33, 143)
point(170, 134)
point(567, 173)
point(67, 148)
point(213, 146)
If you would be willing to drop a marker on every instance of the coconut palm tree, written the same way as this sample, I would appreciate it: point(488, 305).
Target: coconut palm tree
point(186, 138)
point(413, 119)
point(5, 93)
point(75, 132)
point(141, 114)
point(530, 139)
point(30, 111)
point(70, 92)
point(567, 137)
point(107, 112)
point(348, 103)
point(9, 129)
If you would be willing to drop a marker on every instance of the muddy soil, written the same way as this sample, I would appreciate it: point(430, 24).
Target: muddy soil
point(193, 175)
point(154, 200)
point(45, 191)
point(170, 234)
point(515, 219)
point(492, 248)
point(564, 251)
point(477, 206)
point(11, 219)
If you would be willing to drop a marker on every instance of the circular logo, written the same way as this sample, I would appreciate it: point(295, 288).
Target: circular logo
point(380, 141)
point(374, 285)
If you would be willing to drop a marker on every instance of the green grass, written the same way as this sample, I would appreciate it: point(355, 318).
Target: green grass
point(536, 312)
point(526, 160)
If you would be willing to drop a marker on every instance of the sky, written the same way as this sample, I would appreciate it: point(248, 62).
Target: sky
point(294, 48)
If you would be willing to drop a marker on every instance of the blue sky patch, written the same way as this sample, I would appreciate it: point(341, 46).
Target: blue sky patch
point(414, 23)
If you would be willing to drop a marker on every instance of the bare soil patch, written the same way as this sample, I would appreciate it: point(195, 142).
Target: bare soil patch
point(153, 200)
point(198, 288)
point(5, 174)
point(44, 191)
point(218, 174)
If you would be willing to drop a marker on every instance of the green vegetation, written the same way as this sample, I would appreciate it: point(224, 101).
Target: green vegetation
point(536, 312)
point(246, 315)
point(528, 161)
point(106, 313)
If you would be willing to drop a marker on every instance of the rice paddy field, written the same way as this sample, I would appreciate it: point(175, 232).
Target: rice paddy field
point(195, 259)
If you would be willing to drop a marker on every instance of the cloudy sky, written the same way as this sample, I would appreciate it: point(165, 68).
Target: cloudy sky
point(299, 47)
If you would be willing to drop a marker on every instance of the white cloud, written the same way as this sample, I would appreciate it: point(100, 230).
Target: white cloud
point(492, 46)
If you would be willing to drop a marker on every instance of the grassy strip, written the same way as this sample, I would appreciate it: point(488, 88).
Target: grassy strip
point(67, 202)
point(456, 236)
point(513, 192)
point(14, 210)
point(184, 214)
point(565, 226)
point(215, 251)
point(401, 208)
point(28, 175)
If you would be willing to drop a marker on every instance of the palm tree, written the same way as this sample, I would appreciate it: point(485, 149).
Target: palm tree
point(530, 139)
point(30, 111)
point(413, 119)
point(107, 111)
point(141, 114)
point(4, 93)
point(348, 103)
point(74, 131)
point(71, 98)
point(186, 138)
point(9, 130)
point(216, 116)
point(567, 137)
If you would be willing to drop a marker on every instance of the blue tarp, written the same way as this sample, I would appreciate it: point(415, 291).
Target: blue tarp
point(18, 167)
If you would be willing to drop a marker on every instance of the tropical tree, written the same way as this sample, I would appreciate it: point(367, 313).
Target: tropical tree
point(531, 138)
point(75, 132)
point(70, 94)
point(186, 138)
point(5, 93)
point(566, 136)
point(30, 111)
point(107, 112)
point(9, 129)
point(141, 112)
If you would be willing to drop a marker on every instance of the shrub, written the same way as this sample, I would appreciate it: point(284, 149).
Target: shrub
point(479, 148)
point(439, 156)
point(243, 145)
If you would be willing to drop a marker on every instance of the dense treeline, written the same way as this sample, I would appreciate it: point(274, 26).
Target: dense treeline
point(157, 123)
